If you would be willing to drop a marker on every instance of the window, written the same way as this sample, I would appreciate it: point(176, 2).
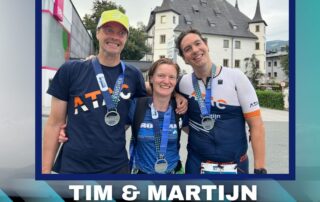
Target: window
point(217, 11)
point(257, 46)
point(257, 64)
point(225, 62)
point(237, 63)
point(237, 45)
point(233, 24)
point(162, 56)
point(195, 9)
point(269, 74)
point(269, 64)
point(211, 22)
point(163, 19)
point(188, 20)
point(162, 39)
point(275, 74)
point(275, 63)
point(203, 2)
point(257, 28)
point(225, 43)
point(174, 19)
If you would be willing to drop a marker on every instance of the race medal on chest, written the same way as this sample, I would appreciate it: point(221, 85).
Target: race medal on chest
point(207, 123)
point(161, 166)
point(112, 118)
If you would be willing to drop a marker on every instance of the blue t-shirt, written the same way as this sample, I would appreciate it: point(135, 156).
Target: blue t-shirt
point(145, 150)
point(93, 147)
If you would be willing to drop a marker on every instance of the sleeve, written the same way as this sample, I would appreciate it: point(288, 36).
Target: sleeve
point(132, 108)
point(177, 88)
point(247, 95)
point(60, 84)
point(141, 86)
point(185, 120)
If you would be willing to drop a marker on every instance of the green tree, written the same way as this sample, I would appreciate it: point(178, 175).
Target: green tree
point(135, 47)
point(285, 62)
point(90, 21)
point(252, 70)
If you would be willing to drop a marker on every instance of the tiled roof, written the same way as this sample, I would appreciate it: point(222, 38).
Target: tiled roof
point(217, 17)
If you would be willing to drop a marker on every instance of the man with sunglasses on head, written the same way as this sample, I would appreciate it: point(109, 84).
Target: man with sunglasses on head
point(93, 98)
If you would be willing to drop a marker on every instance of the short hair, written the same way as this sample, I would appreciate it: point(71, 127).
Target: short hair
point(159, 62)
point(185, 33)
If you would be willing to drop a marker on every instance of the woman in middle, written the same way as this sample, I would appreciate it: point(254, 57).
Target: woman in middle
point(156, 127)
point(154, 147)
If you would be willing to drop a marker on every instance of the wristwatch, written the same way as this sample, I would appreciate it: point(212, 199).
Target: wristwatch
point(260, 171)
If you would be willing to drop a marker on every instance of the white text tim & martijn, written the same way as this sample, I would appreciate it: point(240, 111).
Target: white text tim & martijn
point(161, 192)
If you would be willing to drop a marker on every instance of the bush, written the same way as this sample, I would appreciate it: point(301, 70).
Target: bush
point(270, 99)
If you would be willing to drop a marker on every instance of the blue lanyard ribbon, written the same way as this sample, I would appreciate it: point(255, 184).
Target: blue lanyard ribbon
point(204, 105)
point(111, 100)
point(161, 141)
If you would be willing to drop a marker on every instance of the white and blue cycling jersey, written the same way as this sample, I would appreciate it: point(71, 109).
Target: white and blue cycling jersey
point(233, 99)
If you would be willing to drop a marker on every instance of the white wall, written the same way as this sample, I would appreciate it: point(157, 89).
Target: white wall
point(216, 50)
point(166, 29)
point(46, 76)
point(260, 54)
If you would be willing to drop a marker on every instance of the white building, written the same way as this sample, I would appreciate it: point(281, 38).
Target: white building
point(275, 71)
point(232, 36)
point(64, 37)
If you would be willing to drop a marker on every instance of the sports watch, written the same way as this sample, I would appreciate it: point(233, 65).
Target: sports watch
point(260, 171)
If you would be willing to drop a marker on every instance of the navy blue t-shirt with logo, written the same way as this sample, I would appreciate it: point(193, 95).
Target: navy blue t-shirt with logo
point(93, 146)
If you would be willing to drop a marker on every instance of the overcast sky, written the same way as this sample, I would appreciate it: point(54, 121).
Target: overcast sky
point(274, 12)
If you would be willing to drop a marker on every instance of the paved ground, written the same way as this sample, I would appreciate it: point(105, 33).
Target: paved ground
point(277, 133)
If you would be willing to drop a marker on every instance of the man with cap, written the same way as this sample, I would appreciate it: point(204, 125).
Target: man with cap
point(93, 97)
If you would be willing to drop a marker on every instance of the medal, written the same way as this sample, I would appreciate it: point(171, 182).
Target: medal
point(154, 112)
point(161, 166)
point(207, 122)
point(112, 118)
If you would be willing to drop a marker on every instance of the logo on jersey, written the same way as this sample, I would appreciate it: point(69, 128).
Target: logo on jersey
point(253, 104)
point(220, 104)
point(150, 125)
point(90, 100)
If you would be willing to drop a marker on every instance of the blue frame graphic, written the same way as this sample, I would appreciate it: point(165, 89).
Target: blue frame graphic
point(38, 126)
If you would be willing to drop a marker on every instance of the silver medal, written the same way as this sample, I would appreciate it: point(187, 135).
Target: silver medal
point(112, 118)
point(207, 122)
point(161, 166)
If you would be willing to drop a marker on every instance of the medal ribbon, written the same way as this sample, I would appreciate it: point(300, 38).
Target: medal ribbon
point(204, 105)
point(111, 100)
point(161, 141)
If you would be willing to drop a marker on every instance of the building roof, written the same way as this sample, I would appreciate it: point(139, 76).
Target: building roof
point(236, 6)
point(167, 5)
point(216, 17)
point(257, 17)
point(142, 65)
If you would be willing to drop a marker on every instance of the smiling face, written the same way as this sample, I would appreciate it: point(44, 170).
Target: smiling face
point(164, 80)
point(195, 51)
point(112, 38)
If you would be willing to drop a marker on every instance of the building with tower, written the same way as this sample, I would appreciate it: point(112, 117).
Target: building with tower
point(232, 36)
